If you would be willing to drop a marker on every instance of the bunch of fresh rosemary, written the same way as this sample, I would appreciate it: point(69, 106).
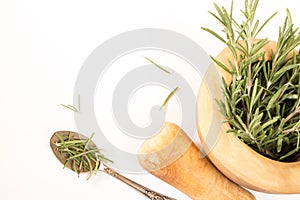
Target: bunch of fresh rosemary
point(262, 103)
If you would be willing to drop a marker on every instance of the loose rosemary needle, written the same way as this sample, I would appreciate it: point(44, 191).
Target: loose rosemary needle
point(157, 65)
point(73, 108)
point(80, 154)
point(169, 97)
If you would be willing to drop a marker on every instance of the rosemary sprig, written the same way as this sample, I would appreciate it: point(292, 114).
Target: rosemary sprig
point(262, 103)
point(169, 97)
point(80, 154)
point(157, 65)
point(73, 108)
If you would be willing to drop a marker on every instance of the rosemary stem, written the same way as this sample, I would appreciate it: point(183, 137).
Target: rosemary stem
point(249, 85)
point(289, 130)
point(290, 116)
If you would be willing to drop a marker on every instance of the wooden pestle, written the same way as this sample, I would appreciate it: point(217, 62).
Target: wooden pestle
point(174, 158)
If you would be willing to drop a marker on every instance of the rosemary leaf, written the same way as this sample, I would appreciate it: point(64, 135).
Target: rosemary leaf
point(73, 108)
point(157, 65)
point(70, 107)
point(214, 33)
point(169, 97)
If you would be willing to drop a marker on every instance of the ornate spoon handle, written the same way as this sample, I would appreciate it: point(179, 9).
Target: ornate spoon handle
point(144, 190)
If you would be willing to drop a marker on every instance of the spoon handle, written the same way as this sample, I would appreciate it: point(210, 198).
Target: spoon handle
point(144, 190)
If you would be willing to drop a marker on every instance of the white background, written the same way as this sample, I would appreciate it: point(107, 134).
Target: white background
point(42, 47)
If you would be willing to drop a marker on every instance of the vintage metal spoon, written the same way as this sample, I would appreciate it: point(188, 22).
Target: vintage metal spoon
point(71, 138)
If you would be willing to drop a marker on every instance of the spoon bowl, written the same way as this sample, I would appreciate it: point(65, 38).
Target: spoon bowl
point(62, 157)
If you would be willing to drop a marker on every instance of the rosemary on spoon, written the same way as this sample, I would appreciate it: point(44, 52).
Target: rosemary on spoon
point(262, 103)
point(79, 154)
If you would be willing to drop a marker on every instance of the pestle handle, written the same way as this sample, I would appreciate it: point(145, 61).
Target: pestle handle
point(171, 156)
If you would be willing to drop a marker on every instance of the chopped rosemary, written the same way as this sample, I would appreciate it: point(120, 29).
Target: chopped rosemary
point(80, 154)
point(157, 65)
point(169, 97)
point(73, 108)
point(262, 103)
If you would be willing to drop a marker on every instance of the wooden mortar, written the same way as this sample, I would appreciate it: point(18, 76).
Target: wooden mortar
point(230, 155)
